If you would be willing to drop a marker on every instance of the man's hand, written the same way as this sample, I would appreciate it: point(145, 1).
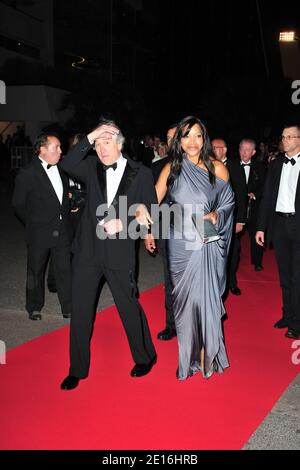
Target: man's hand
point(260, 238)
point(113, 226)
point(239, 227)
point(103, 132)
point(252, 196)
point(142, 216)
point(212, 216)
point(149, 242)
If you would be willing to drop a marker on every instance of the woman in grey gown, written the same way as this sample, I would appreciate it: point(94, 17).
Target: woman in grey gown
point(197, 183)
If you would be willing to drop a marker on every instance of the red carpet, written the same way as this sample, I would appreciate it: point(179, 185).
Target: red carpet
point(111, 410)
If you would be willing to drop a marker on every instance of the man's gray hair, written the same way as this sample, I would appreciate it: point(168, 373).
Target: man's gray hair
point(248, 141)
point(109, 122)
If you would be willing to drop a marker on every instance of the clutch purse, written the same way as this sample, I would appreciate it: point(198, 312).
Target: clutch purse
point(206, 229)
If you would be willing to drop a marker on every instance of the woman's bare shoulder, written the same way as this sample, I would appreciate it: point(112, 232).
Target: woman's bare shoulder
point(221, 170)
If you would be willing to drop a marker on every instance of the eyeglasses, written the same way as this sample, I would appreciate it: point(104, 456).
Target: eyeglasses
point(289, 137)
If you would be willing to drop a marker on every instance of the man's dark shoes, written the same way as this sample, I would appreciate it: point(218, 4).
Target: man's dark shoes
point(167, 334)
point(258, 267)
point(35, 315)
point(142, 369)
point(69, 383)
point(291, 334)
point(235, 290)
point(52, 289)
point(282, 323)
point(66, 315)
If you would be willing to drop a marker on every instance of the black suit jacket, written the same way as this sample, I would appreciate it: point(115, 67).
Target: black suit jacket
point(145, 155)
point(157, 167)
point(267, 210)
point(37, 206)
point(241, 188)
point(136, 184)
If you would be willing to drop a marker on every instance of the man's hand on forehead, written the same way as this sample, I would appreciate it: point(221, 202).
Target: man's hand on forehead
point(105, 129)
point(106, 136)
point(104, 132)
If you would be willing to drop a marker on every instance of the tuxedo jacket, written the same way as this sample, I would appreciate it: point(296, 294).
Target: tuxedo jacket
point(146, 155)
point(157, 167)
point(37, 205)
point(114, 252)
point(241, 188)
point(267, 210)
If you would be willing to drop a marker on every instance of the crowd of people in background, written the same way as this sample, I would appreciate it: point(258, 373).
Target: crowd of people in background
point(147, 149)
point(253, 193)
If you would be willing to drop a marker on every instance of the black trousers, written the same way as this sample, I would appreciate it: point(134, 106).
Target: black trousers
point(85, 284)
point(256, 252)
point(74, 221)
point(170, 322)
point(37, 259)
point(233, 259)
point(286, 242)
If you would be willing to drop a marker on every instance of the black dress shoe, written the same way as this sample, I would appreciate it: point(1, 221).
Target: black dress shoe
point(69, 383)
point(142, 369)
point(235, 290)
point(258, 267)
point(167, 334)
point(35, 315)
point(66, 315)
point(282, 323)
point(291, 334)
point(52, 289)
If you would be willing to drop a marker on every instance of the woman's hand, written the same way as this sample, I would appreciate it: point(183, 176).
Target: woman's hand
point(142, 216)
point(212, 216)
point(149, 243)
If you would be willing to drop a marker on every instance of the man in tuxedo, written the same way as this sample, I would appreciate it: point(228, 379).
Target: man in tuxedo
point(219, 147)
point(146, 151)
point(279, 216)
point(169, 331)
point(103, 246)
point(247, 178)
point(220, 150)
point(41, 202)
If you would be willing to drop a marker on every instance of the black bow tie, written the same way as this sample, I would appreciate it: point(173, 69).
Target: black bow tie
point(289, 160)
point(49, 166)
point(106, 167)
point(246, 164)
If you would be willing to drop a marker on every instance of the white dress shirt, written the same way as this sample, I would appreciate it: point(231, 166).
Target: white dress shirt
point(288, 185)
point(113, 179)
point(246, 169)
point(54, 177)
point(156, 155)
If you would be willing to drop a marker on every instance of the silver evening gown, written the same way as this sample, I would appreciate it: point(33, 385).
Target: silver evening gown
point(198, 270)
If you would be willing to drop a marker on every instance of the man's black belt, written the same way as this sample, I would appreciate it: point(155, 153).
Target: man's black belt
point(286, 214)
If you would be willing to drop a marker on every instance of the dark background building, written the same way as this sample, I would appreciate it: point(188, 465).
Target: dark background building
point(150, 62)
